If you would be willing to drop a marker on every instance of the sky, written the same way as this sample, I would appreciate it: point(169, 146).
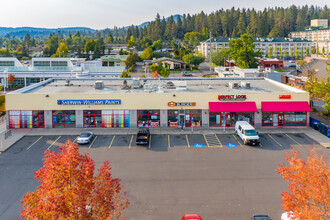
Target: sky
point(100, 14)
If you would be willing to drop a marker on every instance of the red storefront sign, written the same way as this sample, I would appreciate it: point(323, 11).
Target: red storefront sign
point(285, 96)
point(232, 97)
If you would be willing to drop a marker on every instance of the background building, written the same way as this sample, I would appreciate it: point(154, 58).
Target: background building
point(318, 33)
point(276, 46)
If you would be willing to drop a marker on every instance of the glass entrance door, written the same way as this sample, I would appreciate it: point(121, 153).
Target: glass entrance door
point(228, 120)
point(182, 119)
point(41, 122)
point(89, 121)
point(281, 119)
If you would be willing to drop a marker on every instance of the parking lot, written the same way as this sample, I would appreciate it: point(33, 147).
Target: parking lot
point(214, 175)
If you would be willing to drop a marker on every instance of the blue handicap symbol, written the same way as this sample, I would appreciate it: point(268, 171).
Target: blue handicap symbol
point(231, 145)
point(199, 145)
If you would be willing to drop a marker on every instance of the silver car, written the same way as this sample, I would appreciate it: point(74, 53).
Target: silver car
point(85, 138)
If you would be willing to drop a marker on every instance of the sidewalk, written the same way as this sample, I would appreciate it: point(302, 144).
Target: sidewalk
point(17, 134)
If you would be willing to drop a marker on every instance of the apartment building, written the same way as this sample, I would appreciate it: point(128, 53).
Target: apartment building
point(318, 33)
point(276, 46)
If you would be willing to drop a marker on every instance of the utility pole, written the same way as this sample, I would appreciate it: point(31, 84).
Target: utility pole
point(210, 52)
point(59, 45)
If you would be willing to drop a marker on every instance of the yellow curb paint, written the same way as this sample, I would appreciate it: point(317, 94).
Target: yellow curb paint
point(54, 142)
point(92, 142)
point(34, 142)
point(112, 141)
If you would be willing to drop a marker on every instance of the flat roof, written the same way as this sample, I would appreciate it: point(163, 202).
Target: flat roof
point(199, 85)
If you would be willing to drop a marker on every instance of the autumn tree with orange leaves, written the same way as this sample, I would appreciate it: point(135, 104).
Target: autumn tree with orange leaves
point(11, 78)
point(69, 189)
point(309, 196)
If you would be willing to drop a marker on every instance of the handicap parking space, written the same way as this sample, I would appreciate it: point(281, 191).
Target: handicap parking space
point(196, 141)
point(230, 140)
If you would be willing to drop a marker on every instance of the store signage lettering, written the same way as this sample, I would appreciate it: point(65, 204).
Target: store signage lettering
point(181, 104)
point(285, 96)
point(231, 97)
point(89, 102)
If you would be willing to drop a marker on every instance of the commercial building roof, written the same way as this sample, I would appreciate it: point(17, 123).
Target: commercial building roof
point(197, 85)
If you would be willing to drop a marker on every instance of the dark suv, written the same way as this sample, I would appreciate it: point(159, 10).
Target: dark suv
point(142, 136)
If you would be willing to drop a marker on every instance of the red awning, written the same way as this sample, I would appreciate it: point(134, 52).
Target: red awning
point(285, 107)
point(232, 107)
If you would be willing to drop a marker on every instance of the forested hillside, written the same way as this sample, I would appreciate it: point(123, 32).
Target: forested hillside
point(272, 22)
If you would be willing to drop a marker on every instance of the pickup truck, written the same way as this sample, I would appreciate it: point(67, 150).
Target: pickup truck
point(142, 136)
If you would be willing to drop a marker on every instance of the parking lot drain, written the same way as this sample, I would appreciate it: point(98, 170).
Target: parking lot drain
point(231, 145)
point(198, 145)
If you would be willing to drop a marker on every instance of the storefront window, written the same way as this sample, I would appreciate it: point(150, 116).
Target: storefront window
point(189, 117)
point(115, 118)
point(215, 119)
point(301, 119)
point(229, 119)
point(289, 119)
point(26, 119)
point(267, 119)
point(148, 118)
point(64, 119)
point(278, 119)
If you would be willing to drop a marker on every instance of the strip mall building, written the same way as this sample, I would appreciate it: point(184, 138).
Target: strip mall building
point(115, 103)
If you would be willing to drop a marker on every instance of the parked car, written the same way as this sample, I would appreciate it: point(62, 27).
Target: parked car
point(184, 73)
point(247, 133)
point(85, 138)
point(260, 217)
point(191, 217)
point(293, 66)
point(143, 136)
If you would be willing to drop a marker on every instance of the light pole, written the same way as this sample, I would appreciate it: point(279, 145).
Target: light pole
point(210, 53)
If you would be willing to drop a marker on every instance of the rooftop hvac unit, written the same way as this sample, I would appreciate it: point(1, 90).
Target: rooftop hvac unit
point(170, 85)
point(233, 85)
point(245, 85)
point(99, 85)
point(136, 84)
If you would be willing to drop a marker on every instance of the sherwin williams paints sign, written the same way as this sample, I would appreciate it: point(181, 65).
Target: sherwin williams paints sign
point(89, 102)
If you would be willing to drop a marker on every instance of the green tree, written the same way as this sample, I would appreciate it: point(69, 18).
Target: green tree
point(163, 70)
point(291, 52)
point(307, 52)
point(124, 74)
point(147, 54)
point(90, 45)
point(219, 56)
point(326, 105)
point(157, 45)
point(242, 50)
point(64, 51)
point(313, 50)
point(193, 59)
point(132, 59)
point(193, 38)
point(270, 52)
point(296, 52)
point(131, 42)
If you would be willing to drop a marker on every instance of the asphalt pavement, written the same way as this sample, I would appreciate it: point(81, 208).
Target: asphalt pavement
point(214, 175)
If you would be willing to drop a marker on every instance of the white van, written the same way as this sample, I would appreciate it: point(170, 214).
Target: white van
point(247, 133)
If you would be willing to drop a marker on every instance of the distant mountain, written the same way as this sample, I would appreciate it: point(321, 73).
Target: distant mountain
point(20, 32)
point(175, 17)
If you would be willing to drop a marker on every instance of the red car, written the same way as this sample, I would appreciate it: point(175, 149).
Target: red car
point(191, 217)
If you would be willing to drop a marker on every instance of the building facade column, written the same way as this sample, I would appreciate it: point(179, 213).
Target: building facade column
point(163, 118)
point(48, 119)
point(258, 118)
point(79, 119)
point(132, 118)
point(205, 118)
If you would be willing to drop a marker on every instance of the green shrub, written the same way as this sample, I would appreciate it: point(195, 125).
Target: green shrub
point(325, 112)
point(2, 99)
point(313, 109)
